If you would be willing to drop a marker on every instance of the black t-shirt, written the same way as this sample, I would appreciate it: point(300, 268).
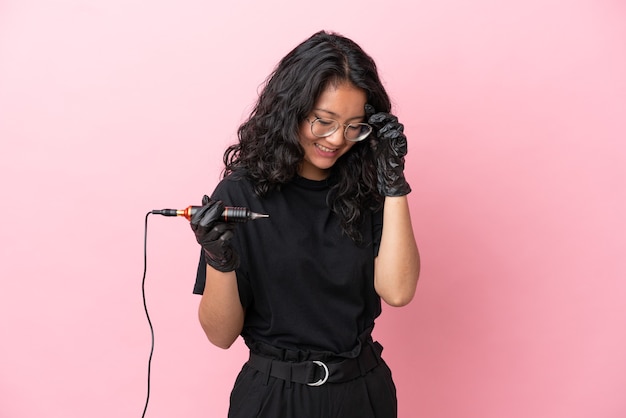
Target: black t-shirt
point(304, 284)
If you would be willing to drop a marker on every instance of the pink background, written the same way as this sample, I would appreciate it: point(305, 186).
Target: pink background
point(516, 117)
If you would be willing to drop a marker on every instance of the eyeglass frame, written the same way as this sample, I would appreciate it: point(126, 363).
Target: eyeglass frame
point(345, 125)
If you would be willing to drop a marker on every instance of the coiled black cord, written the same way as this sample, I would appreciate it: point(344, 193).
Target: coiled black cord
point(145, 307)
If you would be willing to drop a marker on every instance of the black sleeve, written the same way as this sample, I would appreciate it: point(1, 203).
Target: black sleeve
point(198, 287)
point(377, 230)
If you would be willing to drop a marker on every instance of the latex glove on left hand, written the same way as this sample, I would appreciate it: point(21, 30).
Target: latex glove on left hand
point(389, 144)
point(214, 235)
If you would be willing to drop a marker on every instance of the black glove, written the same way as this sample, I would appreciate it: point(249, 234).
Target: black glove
point(214, 235)
point(389, 145)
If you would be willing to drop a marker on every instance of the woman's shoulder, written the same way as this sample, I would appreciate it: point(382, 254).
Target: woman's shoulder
point(235, 176)
point(236, 183)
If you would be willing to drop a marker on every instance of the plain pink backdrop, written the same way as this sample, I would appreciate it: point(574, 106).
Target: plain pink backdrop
point(516, 117)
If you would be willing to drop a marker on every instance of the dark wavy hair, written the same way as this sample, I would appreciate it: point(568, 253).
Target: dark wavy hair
point(269, 151)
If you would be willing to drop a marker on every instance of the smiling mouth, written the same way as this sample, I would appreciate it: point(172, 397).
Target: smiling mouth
point(323, 148)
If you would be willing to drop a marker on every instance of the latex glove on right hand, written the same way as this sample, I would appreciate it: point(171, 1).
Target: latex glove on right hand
point(214, 235)
point(389, 144)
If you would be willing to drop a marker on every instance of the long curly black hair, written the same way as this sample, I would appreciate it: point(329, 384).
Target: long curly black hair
point(268, 150)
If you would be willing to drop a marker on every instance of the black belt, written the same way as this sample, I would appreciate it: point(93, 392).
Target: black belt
point(315, 372)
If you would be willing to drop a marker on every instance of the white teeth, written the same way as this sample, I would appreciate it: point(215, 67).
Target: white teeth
point(323, 148)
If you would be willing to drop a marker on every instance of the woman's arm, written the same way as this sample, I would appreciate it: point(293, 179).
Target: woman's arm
point(397, 266)
point(220, 312)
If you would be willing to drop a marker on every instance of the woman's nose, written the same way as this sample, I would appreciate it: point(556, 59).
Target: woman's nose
point(336, 138)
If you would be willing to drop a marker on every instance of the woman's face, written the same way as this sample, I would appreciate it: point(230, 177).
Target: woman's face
point(344, 103)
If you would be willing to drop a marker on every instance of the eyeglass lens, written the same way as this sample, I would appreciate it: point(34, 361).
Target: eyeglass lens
point(353, 132)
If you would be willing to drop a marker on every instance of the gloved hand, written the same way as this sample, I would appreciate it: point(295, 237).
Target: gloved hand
point(214, 235)
point(389, 144)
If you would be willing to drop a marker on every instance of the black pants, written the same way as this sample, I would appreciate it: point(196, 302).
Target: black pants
point(259, 395)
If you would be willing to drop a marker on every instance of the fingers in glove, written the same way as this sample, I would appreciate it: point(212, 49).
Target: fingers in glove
point(222, 231)
point(392, 128)
point(396, 140)
point(381, 119)
point(388, 130)
point(210, 212)
point(386, 124)
point(217, 248)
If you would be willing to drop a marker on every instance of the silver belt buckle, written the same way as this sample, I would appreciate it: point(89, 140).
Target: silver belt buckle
point(323, 379)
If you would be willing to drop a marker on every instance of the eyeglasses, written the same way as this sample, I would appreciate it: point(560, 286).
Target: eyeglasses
point(354, 132)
